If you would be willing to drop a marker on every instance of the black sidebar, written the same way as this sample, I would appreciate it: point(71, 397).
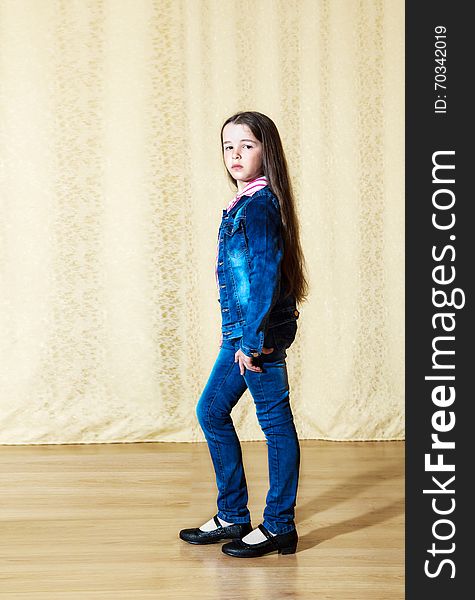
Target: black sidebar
point(440, 357)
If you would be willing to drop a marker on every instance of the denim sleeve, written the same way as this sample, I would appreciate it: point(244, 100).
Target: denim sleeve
point(262, 227)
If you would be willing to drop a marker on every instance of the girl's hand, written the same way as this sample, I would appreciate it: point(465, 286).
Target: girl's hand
point(246, 361)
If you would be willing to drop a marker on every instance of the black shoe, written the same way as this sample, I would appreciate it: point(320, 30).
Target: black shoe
point(285, 543)
point(231, 532)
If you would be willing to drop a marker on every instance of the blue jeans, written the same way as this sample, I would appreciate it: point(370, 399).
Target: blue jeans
point(270, 391)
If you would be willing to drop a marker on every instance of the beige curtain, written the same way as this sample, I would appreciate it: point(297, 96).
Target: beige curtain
point(112, 188)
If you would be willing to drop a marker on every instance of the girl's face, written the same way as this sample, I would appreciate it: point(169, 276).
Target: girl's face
point(242, 153)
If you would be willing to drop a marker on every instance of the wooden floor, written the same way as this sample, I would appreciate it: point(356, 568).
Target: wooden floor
point(101, 522)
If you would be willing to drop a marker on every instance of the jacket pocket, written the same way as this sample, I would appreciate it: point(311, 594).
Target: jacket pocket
point(284, 334)
point(235, 242)
point(269, 339)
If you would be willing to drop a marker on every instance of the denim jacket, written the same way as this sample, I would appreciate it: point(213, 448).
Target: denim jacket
point(251, 296)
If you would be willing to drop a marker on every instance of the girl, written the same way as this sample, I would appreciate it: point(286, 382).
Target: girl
point(260, 279)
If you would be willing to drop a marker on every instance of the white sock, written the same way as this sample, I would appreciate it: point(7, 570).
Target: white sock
point(211, 525)
point(256, 536)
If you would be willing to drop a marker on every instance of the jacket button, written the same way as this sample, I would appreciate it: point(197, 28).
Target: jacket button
point(220, 263)
point(296, 313)
point(224, 285)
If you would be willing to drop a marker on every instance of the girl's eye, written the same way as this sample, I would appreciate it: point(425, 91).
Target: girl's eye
point(244, 146)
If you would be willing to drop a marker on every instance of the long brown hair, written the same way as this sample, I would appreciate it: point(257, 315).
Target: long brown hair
point(275, 169)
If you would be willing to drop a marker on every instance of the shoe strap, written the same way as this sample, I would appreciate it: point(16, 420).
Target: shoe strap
point(264, 531)
point(270, 537)
point(216, 520)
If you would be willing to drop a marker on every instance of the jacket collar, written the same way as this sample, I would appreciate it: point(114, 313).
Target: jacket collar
point(251, 188)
